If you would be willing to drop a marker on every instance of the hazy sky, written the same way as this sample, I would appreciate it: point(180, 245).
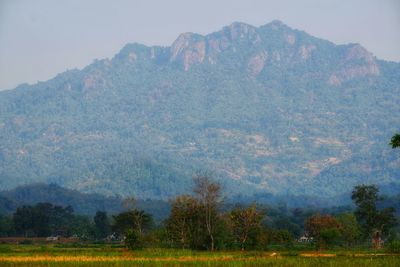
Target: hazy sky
point(41, 38)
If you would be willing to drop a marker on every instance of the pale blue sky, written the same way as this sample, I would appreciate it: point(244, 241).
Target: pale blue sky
point(41, 38)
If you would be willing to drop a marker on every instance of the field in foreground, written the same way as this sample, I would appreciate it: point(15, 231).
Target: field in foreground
point(106, 255)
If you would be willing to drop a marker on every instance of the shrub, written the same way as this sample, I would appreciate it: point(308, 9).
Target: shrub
point(329, 238)
point(26, 242)
point(133, 240)
point(394, 246)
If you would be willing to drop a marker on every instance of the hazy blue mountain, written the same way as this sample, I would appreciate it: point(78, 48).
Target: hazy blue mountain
point(36, 193)
point(86, 204)
point(266, 109)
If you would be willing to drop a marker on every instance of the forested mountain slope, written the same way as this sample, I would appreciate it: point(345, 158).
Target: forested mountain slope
point(266, 109)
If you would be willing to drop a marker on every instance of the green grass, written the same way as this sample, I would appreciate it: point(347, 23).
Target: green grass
point(108, 255)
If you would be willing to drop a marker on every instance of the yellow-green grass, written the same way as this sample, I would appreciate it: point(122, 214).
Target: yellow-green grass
point(106, 255)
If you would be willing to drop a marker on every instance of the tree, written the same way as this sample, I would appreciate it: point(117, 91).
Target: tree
point(325, 229)
point(102, 224)
point(6, 226)
point(134, 225)
point(365, 198)
point(41, 214)
point(244, 221)
point(138, 220)
point(368, 216)
point(142, 221)
point(208, 193)
point(184, 222)
point(281, 236)
point(59, 218)
point(82, 226)
point(282, 221)
point(134, 240)
point(43, 219)
point(23, 221)
point(395, 141)
point(329, 237)
point(350, 229)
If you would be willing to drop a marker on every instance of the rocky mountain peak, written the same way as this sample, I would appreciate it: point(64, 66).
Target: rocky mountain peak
point(272, 43)
point(239, 30)
point(188, 48)
point(356, 52)
point(276, 24)
point(357, 62)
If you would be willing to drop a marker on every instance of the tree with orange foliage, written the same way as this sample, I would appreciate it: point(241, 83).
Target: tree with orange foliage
point(324, 229)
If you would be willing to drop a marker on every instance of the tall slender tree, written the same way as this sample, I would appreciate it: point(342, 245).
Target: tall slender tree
point(368, 216)
point(208, 193)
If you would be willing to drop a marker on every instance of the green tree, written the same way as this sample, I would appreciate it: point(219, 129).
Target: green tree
point(137, 220)
point(134, 239)
point(135, 225)
point(184, 225)
point(23, 220)
point(282, 221)
point(395, 141)
point(350, 230)
point(329, 237)
point(6, 226)
point(281, 236)
point(102, 224)
point(82, 226)
point(58, 217)
point(43, 219)
point(368, 216)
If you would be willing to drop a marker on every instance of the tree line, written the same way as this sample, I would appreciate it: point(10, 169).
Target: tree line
point(201, 221)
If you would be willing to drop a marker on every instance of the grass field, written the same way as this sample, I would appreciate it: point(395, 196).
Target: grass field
point(107, 255)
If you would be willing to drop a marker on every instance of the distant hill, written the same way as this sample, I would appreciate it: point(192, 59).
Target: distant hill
point(85, 204)
point(266, 109)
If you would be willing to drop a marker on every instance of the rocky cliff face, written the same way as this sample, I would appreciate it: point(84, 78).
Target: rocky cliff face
point(265, 108)
point(289, 47)
point(356, 62)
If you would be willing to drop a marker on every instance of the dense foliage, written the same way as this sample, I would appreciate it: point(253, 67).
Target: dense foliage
point(395, 141)
point(367, 213)
point(43, 220)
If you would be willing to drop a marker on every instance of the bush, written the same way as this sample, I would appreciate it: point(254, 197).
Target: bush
point(133, 240)
point(394, 246)
point(5, 249)
point(26, 242)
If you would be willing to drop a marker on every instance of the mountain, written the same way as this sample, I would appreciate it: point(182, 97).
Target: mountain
point(35, 193)
point(265, 109)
